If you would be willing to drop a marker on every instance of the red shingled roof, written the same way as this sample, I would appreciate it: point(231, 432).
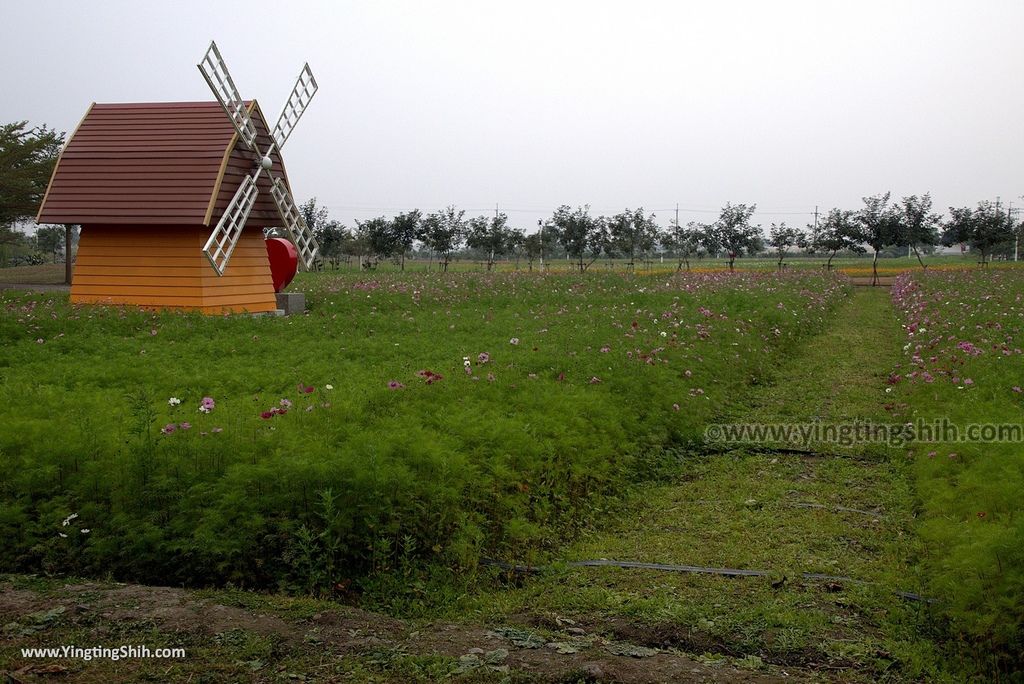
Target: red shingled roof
point(167, 163)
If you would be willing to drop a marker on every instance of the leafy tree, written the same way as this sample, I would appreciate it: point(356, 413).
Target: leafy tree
point(837, 232)
point(405, 227)
point(532, 248)
point(917, 225)
point(27, 158)
point(355, 247)
point(982, 229)
point(443, 232)
point(332, 238)
point(315, 217)
point(378, 236)
point(490, 235)
point(578, 233)
point(50, 240)
point(782, 237)
point(550, 237)
point(878, 226)
point(707, 237)
point(733, 231)
point(683, 241)
point(604, 242)
point(632, 232)
point(516, 243)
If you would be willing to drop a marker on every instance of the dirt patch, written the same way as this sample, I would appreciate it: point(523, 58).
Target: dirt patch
point(564, 652)
point(685, 638)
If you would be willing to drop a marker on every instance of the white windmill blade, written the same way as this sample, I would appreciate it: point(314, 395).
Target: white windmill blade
point(216, 74)
point(300, 234)
point(303, 92)
point(225, 236)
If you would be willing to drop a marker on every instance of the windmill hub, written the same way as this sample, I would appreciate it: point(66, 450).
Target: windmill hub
point(266, 162)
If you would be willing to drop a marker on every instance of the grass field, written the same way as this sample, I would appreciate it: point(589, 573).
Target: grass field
point(375, 450)
point(53, 274)
point(324, 452)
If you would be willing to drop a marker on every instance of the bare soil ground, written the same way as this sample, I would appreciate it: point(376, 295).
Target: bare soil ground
point(294, 640)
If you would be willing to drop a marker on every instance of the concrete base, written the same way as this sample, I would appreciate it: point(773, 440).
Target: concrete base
point(291, 302)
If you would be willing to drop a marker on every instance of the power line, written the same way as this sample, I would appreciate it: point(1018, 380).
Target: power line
point(534, 210)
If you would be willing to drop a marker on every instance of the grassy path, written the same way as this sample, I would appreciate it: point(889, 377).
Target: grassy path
point(836, 512)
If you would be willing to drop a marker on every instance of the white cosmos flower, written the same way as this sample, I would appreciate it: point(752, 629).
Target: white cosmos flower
point(329, 387)
point(173, 401)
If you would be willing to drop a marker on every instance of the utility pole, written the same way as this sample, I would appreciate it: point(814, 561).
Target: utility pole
point(815, 217)
point(540, 224)
point(1010, 213)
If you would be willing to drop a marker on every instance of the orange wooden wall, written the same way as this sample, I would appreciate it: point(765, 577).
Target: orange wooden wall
point(164, 266)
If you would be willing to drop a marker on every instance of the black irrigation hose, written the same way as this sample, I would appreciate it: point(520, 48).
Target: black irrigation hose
point(840, 509)
point(727, 572)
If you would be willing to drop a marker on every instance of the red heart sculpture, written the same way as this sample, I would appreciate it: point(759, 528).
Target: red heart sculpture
point(284, 262)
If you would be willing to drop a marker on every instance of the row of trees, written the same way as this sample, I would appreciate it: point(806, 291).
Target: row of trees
point(27, 156)
point(909, 224)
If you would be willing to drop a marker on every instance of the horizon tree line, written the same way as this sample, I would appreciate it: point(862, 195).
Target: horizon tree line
point(635, 236)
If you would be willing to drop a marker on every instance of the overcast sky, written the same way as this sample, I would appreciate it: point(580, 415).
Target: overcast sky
point(534, 104)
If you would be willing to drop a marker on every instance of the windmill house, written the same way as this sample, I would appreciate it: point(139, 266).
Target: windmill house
point(173, 199)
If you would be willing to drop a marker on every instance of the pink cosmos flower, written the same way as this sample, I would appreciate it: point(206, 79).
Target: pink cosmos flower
point(1017, 389)
point(395, 385)
point(185, 426)
point(169, 428)
point(285, 403)
point(483, 357)
point(305, 389)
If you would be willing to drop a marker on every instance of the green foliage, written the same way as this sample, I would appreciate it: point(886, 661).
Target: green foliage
point(443, 232)
point(734, 233)
point(918, 225)
point(379, 470)
point(492, 236)
point(579, 233)
point(837, 232)
point(631, 233)
point(782, 237)
point(27, 157)
point(964, 364)
point(984, 228)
